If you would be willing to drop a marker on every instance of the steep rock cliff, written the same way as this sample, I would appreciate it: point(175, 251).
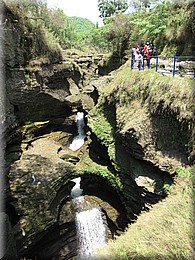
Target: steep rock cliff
point(42, 99)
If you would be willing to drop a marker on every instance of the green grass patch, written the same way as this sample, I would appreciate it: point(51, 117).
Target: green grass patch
point(87, 166)
point(102, 128)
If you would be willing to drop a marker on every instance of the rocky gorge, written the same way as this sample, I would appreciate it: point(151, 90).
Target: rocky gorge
point(135, 139)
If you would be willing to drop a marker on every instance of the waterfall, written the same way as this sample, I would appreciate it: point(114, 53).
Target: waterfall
point(91, 232)
point(76, 190)
point(78, 140)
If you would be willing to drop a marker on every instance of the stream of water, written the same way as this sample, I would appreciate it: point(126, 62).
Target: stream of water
point(91, 232)
point(89, 223)
point(78, 140)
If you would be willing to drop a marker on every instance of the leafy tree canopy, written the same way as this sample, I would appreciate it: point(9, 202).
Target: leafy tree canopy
point(141, 5)
point(108, 8)
point(81, 25)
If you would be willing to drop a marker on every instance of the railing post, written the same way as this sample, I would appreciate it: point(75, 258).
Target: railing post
point(156, 63)
point(174, 63)
point(143, 63)
point(148, 62)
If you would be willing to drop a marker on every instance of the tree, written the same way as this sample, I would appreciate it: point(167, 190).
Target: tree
point(141, 5)
point(108, 8)
point(118, 33)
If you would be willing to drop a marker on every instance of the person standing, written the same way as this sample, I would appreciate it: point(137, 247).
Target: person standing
point(136, 50)
point(132, 57)
point(139, 59)
point(149, 53)
point(145, 50)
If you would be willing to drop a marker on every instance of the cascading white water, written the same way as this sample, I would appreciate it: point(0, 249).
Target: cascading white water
point(76, 190)
point(78, 140)
point(91, 232)
point(90, 227)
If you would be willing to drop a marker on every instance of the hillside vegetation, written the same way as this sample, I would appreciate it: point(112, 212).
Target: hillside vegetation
point(119, 32)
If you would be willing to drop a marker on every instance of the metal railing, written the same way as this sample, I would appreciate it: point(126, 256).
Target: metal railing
point(183, 66)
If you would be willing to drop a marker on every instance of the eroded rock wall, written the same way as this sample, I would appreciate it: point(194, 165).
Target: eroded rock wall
point(42, 99)
point(145, 121)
